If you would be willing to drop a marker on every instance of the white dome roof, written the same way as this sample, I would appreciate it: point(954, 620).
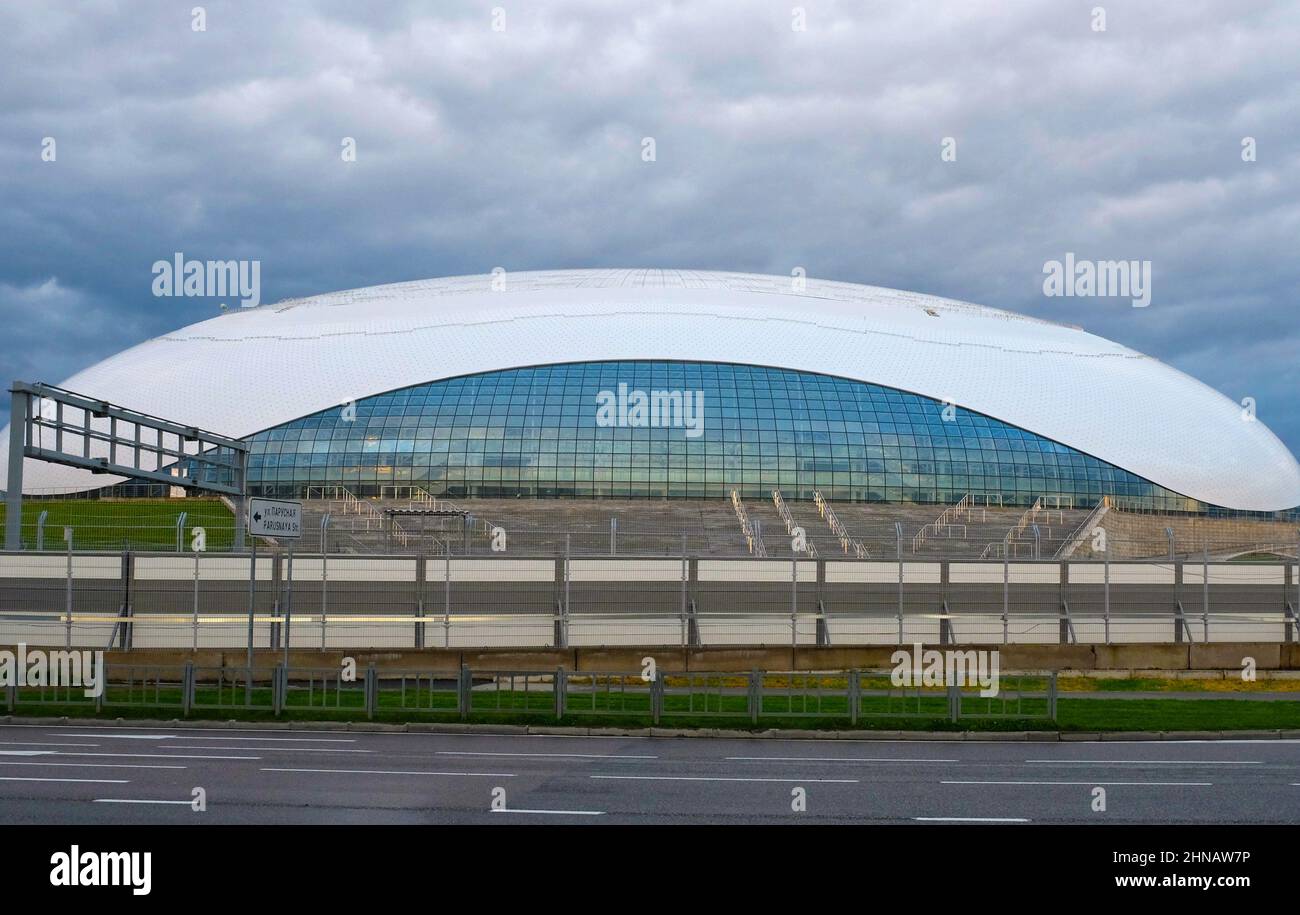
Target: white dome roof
point(254, 368)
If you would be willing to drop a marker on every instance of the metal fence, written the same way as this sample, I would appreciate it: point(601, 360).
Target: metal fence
point(852, 696)
point(282, 600)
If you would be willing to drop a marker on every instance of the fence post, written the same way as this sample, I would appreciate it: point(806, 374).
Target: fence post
point(1106, 594)
point(755, 695)
point(372, 690)
point(128, 606)
point(1205, 593)
point(420, 566)
point(463, 685)
point(324, 582)
point(288, 601)
point(67, 536)
point(446, 599)
point(945, 623)
point(195, 645)
point(1063, 604)
point(11, 695)
point(560, 686)
point(564, 611)
point(1006, 598)
point(794, 603)
point(855, 695)
point(898, 537)
point(656, 696)
point(686, 572)
point(277, 694)
point(252, 595)
point(1051, 696)
point(187, 688)
point(954, 702)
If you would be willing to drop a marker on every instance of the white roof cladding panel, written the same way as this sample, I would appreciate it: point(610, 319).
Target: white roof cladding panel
point(250, 369)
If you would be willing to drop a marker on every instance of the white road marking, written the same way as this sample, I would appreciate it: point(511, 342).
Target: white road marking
point(971, 819)
point(29, 752)
point(123, 736)
point(1147, 762)
point(152, 756)
point(275, 739)
point(270, 749)
point(119, 800)
point(886, 759)
point(44, 743)
point(566, 813)
point(196, 737)
point(393, 772)
point(95, 781)
point(544, 755)
point(48, 764)
point(1127, 784)
point(722, 778)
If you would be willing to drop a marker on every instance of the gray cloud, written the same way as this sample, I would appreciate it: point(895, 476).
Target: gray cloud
point(775, 149)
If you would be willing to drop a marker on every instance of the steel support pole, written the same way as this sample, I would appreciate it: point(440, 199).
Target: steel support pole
point(252, 595)
point(241, 504)
point(18, 419)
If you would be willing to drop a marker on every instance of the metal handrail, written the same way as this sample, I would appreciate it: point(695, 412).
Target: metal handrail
point(753, 539)
point(962, 506)
point(784, 511)
point(847, 542)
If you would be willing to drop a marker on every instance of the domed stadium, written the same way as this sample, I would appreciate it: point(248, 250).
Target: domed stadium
point(678, 385)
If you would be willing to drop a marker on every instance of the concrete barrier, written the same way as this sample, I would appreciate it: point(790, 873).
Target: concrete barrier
point(1223, 657)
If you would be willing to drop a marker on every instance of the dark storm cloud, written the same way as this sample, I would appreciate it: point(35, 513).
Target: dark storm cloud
point(775, 149)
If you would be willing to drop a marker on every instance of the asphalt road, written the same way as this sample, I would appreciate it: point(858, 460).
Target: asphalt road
point(124, 774)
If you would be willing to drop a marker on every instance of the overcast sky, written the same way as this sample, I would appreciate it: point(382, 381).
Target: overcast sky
point(775, 148)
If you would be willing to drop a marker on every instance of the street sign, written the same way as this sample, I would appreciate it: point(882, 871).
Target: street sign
point(274, 518)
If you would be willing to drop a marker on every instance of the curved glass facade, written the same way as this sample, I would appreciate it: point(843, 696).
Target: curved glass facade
point(584, 430)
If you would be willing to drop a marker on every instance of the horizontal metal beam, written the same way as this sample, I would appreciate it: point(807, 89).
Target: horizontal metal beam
point(101, 409)
point(101, 465)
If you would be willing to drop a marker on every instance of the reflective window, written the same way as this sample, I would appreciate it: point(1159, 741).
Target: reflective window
point(575, 430)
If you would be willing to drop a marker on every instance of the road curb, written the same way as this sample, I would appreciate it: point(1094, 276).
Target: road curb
point(542, 730)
